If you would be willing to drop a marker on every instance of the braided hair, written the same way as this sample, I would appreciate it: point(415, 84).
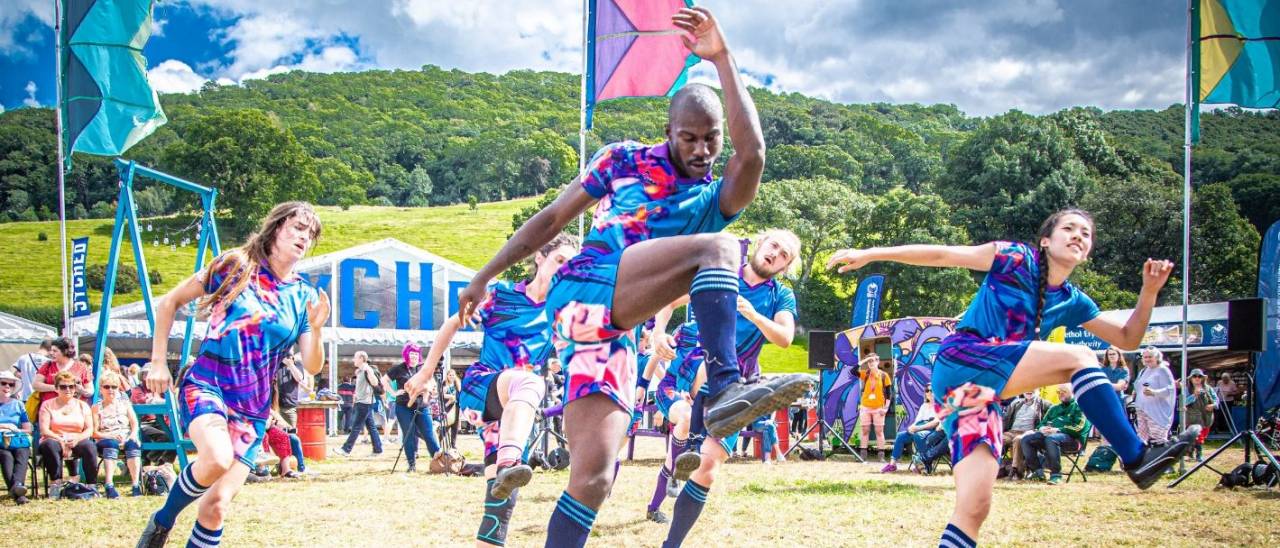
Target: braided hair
point(1042, 258)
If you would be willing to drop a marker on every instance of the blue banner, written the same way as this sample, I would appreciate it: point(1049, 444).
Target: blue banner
point(1268, 370)
point(79, 289)
point(866, 301)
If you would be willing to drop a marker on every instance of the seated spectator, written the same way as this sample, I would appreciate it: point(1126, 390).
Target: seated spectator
point(1021, 419)
point(925, 425)
point(769, 446)
point(1063, 429)
point(66, 428)
point(117, 428)
point(63, 359)
point(15, 438)
point(278, 441)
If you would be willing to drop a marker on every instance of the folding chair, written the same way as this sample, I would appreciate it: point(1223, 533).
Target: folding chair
point(1074, 458)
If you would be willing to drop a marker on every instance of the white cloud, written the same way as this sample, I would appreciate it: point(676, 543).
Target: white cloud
point(14, 13)
point(157, 27)
point(31, 95)
point(174, 76)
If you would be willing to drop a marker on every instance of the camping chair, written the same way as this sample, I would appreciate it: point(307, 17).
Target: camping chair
point(1074, 458)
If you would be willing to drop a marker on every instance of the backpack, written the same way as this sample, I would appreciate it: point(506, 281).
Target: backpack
point(154, 483)
point(73, 490)
point(1102, 460)
point(378, 390)
point(448, 461)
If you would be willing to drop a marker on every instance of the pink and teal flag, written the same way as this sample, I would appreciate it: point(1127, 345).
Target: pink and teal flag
point(633, 50)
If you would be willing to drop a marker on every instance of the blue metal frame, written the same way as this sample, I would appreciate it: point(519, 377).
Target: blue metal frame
point(127, 217)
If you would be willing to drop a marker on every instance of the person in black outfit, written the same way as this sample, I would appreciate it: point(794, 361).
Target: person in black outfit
point(414, 420)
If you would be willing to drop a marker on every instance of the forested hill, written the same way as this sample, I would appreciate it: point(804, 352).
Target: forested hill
point(857, 174)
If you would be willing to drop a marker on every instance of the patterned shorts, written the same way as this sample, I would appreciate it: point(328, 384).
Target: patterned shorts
point(667, 395)
point(246, 432)
point(972, 371)
point(598, 357)
point(970, 416)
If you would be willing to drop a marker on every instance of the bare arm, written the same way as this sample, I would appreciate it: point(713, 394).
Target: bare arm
point(311, 343)
point(972, 257)
point(779, 330)
point(1129, 334)
point(662, 343)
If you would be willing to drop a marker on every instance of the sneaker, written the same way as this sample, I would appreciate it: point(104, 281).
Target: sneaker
point(292, 474)
point(673, 487)
point(111, 491)
point(1158, 459)
point(411, 469)
point(154, 536)
point(509, 478)
point(1038, 475)
point(136, 491)
point(21, 500)
point(18, 490)
point(740, 404)
point(685, 464)
point(656, 516)
point(343, 451)
point(55, 491)
point(1055, 479)
point(891, 467)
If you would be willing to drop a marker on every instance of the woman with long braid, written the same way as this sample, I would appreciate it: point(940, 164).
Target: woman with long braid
point(998, 351)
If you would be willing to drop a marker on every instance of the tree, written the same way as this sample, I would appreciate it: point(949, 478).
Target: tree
point(418, 192)
point(343, 186)
point(1258, 195)
point(1224, 259)
point(252, 161)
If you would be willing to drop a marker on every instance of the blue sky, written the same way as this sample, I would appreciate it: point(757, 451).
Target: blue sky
point(986, 57)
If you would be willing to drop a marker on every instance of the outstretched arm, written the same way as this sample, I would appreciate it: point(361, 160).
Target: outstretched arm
point(742, 174)
point(418, 382)
point(1129, 334)
point(972, 257)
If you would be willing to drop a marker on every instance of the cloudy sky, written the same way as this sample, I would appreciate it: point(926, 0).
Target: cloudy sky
point(985, 57)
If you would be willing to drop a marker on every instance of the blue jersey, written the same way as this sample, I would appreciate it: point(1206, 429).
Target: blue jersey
point(249, 336)
point(768, 298)
point(1004, 309)
point(516, 331)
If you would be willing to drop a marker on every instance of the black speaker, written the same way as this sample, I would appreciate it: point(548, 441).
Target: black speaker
point(822, 350)
point(1246, 325)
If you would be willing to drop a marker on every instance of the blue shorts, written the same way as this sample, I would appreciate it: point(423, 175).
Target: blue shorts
point(246, 432)
point(969, 374)
point(475, 387)
point(598, 357)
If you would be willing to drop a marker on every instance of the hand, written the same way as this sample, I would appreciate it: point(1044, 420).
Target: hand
point(707, 41)
point(1147, 392)
point(851, 259)
point(158, 378)
point(469, 301)
point(416, 384)
point(1155, 273)
point(663, 346)
point(911, 429)
point(318, 310)
point(746, 309)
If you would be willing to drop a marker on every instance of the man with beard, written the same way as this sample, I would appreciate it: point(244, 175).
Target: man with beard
point(766, 313)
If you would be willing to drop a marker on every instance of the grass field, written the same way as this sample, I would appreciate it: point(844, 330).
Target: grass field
point(357, 502)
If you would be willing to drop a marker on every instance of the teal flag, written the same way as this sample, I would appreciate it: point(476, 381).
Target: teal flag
point(107, 103)
point(1236, 58)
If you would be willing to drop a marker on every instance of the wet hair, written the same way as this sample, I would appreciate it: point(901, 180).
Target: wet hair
point(1042, 258)
point(243, 263)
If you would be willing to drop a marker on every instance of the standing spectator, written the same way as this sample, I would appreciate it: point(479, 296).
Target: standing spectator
point(63, 359)
point(874, 404)
point(925, 423)
point(452, 386)
point(116, 428)
point(367, 378)
point(1024, 414)
point(1063, 429)
point(15, 447)
point(1228, 392)
point(66, 424)
point(1155, 397)
point(346, 391)
point(800, 413)
point(414, 417)
point(27, 368)
point(1201, 401)
point(1117, 369)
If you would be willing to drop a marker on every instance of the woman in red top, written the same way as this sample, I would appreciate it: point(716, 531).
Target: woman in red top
point(66, 426)
point(63, 354)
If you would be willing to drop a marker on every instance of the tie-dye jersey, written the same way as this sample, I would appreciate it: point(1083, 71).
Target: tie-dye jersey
point(248, 337)
point(642, 197)
point(1004, 310)
point(768, 298)
point(516, 333)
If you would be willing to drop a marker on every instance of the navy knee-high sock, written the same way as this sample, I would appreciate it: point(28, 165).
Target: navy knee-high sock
point(185, 491)
point(1098, 400)
point(953, 537)
point(688, 507)
point(203, 537)
point(713, 296)
point(570, 523)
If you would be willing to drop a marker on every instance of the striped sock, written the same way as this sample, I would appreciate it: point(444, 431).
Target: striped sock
point(688, 507)
point(570, 523)
point(1100, 404)
point(713, 297)
point(185, 491)
point(202, 537)
point(953, 537)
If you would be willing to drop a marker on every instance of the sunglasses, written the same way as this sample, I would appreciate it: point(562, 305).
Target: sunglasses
point(108, 387)
point(8, 384)
point(66, 387)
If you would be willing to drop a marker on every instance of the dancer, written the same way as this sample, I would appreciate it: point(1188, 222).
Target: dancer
point(502, 391)
point(258, 308)
point(997, 352)
point(655, 237)
point(766, 312)
point(674, 397)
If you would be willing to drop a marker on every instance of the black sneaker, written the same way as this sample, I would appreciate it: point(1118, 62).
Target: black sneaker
point(18, 490)
point(510, 478)
point(154, 536)
point(656, 516)
point(739, 404)
point(1159, 459)
point(685, 464)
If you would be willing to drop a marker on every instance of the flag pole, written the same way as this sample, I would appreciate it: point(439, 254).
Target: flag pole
point(1186, 217)
point(62, 200)
point(582, 105)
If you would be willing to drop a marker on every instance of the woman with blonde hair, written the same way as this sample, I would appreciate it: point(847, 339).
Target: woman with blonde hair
point(1155, 397)
point(116, 428)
